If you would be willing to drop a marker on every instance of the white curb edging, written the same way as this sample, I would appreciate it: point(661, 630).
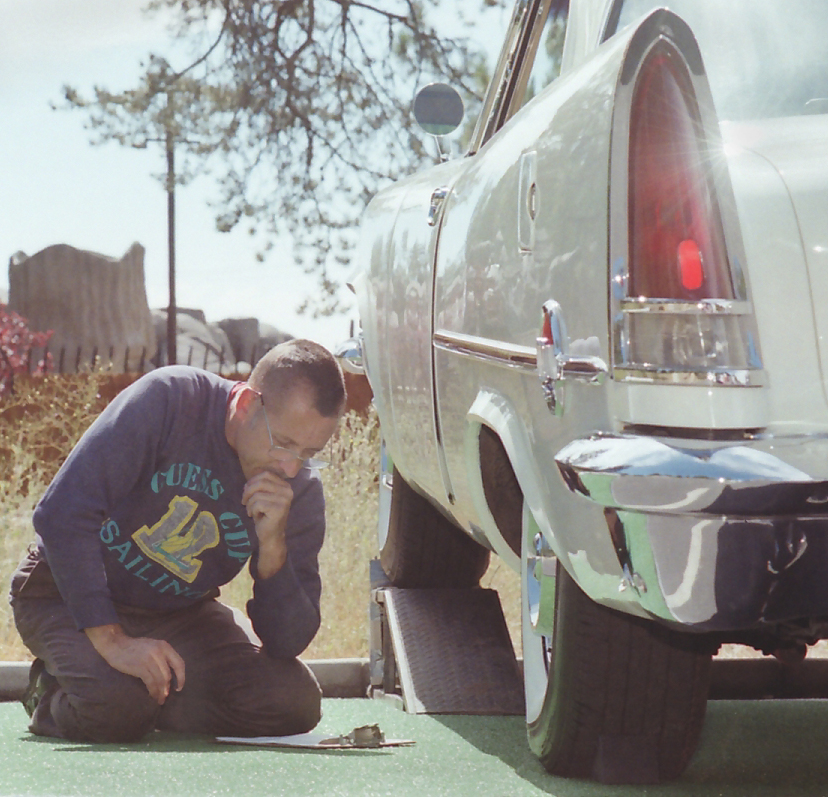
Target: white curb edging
point(14, 678)
point(337, 677)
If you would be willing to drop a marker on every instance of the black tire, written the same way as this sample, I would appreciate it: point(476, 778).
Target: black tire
point(625, 698)
point(424, 549)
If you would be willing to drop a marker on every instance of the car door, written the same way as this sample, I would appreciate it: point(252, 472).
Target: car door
point(407, 310)
point(402, 283)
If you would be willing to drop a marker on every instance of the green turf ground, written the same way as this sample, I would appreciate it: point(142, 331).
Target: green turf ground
point(748, 749)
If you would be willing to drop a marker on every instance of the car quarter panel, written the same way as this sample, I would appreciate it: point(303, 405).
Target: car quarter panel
point(493, 278)
point(787, 324)
point(794, 150)
point(452, 310)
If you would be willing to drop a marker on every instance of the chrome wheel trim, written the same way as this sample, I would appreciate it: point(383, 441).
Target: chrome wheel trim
point(386, 483)
point(536, 645)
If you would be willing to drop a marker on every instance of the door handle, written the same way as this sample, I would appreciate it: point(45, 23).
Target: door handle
point(438, 197)
point(527, 201)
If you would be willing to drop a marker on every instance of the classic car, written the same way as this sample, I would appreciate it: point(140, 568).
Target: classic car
point(598, 347)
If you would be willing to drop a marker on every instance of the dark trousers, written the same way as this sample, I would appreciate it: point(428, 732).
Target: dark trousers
point(231, 687)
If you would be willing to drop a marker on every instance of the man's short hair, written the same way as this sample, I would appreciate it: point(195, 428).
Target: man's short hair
point(301, 363)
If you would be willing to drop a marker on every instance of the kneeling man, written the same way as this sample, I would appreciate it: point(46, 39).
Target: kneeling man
point(182, 480)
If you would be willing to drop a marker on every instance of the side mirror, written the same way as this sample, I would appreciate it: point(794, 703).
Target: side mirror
point(438, 109)
point(349, 354)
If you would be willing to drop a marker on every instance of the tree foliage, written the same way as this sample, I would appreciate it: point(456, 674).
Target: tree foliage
point(301, 108)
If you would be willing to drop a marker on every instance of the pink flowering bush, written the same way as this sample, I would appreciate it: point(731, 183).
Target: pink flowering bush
point(16, 344)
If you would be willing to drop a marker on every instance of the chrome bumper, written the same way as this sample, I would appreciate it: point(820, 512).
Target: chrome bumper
point(724, 537)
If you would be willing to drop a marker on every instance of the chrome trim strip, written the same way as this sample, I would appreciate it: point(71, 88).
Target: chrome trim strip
point(736, 377)
point(525, 358)
point(701, 307)
point(486, 350)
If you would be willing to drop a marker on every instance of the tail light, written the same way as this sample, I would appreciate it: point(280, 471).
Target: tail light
point(677, 247)
point(681, 307)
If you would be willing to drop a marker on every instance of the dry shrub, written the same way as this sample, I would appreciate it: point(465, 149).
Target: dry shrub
point(17, 534)
point(39, 423)
point(351, 502)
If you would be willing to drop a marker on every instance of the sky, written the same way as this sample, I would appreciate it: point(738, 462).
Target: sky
point(58, 188)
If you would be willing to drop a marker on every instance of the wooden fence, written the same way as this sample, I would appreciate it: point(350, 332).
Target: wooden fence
point(137, 359)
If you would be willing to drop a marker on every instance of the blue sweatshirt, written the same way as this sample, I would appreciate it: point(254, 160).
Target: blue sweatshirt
point(146, 512)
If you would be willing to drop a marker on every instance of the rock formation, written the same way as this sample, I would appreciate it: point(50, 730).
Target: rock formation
point(97, 307)
point(95, 304)
point(197, 342)
point(250, 338)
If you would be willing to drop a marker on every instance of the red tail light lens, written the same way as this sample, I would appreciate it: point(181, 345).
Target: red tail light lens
point(677, 246)
point(690, 265)
point(679, 314)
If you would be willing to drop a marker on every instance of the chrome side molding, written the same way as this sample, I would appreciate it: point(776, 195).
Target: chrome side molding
point(486, 350)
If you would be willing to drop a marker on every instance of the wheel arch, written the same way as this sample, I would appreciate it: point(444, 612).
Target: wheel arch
point(494, 411)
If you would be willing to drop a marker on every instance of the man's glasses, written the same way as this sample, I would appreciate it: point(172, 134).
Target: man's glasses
point(285, 454)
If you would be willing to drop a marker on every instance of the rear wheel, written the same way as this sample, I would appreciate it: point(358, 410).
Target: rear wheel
point(608, 696)
point(420, 547)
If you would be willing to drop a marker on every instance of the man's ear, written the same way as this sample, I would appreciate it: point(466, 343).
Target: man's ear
point(248, 401)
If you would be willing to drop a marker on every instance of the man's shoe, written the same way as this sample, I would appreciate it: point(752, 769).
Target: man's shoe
point(39, 682)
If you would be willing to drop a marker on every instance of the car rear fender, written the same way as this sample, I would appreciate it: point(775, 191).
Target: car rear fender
point(496, 411)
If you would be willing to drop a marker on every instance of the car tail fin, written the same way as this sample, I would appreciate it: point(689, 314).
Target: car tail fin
point(680, 307)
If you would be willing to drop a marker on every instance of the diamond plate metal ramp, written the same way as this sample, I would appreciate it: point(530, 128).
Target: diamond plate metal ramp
point(449, 652)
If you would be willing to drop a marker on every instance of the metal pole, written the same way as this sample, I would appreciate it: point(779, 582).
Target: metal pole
point(171, 310)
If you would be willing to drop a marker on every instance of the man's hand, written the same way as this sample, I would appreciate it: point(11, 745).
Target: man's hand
point(152, 660)
point(268, 498)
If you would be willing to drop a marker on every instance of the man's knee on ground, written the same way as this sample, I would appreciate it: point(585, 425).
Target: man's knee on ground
point(306, 713)
point(122, 712)
point(281, 699)
point(294, 697)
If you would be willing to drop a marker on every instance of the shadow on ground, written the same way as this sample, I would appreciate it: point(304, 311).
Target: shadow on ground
point(751, 748)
